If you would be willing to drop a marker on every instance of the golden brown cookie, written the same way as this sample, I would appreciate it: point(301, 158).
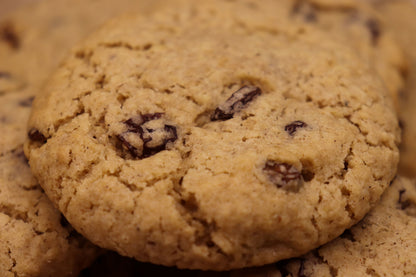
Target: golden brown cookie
point(214, 136)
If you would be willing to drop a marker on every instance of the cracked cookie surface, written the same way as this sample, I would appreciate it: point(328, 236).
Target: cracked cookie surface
point(35, 239)
point(34, 40)
point(358, 25)
point(214, 136)
point(382, 244)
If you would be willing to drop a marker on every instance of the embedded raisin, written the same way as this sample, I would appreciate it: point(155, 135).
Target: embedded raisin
point(306, 10)
point(284, 175)
point(237, 101)
point(374, 29)
point(144, 138)
point(35, 135)
point(151, 116)
point(5, 75)
point(26, 102)
point(9, 36)
point(292, 127)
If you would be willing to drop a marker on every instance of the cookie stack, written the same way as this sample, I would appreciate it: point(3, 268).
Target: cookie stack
point(224, 138)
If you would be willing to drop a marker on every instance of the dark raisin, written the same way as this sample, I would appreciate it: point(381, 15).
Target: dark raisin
point(170, 135)
point(5, 75)
point(284, 175)
point(127, 146)
point(292, 127)
point(401, 124)
point(307, 175)
point(144, 139)
point(306, 10)
point(26, 102)
point(151, 116)
point(9, 36)
point(237, 101)
point(374, 29)
point(35, 135)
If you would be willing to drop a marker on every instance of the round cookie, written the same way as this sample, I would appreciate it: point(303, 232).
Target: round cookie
point(214, 136)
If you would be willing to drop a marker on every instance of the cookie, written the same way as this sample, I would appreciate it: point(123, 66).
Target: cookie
point(215, 136)
point(364, 250)
point(36, 240)
point(382, 244)
point(34, 39)
point(400, 17)
point(365, 30)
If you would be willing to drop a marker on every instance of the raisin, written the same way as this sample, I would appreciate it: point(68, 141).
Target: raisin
point(292, 127)
point(144, 139)
point(35, 135)
point(374, 29)
point(5, 75)
point(26, 102)
point(306, 10)
point(284, 175)
point(151, 116)
point(237, 101)
point(8, 35)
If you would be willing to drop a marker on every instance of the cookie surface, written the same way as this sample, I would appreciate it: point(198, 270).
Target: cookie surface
point(382, 244)
point(214, 136)
point(358, 25)
point(33, 41)
point(400, 17)
point(35, 238)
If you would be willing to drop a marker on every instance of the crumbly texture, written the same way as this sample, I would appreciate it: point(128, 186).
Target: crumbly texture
point(358, 25)
point(34, 40)
point(382, 244)
point(34, 237)
point(214, 136)
point(400, 17)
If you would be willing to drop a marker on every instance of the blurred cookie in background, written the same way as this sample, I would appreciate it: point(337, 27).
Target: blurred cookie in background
point(400, 18)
